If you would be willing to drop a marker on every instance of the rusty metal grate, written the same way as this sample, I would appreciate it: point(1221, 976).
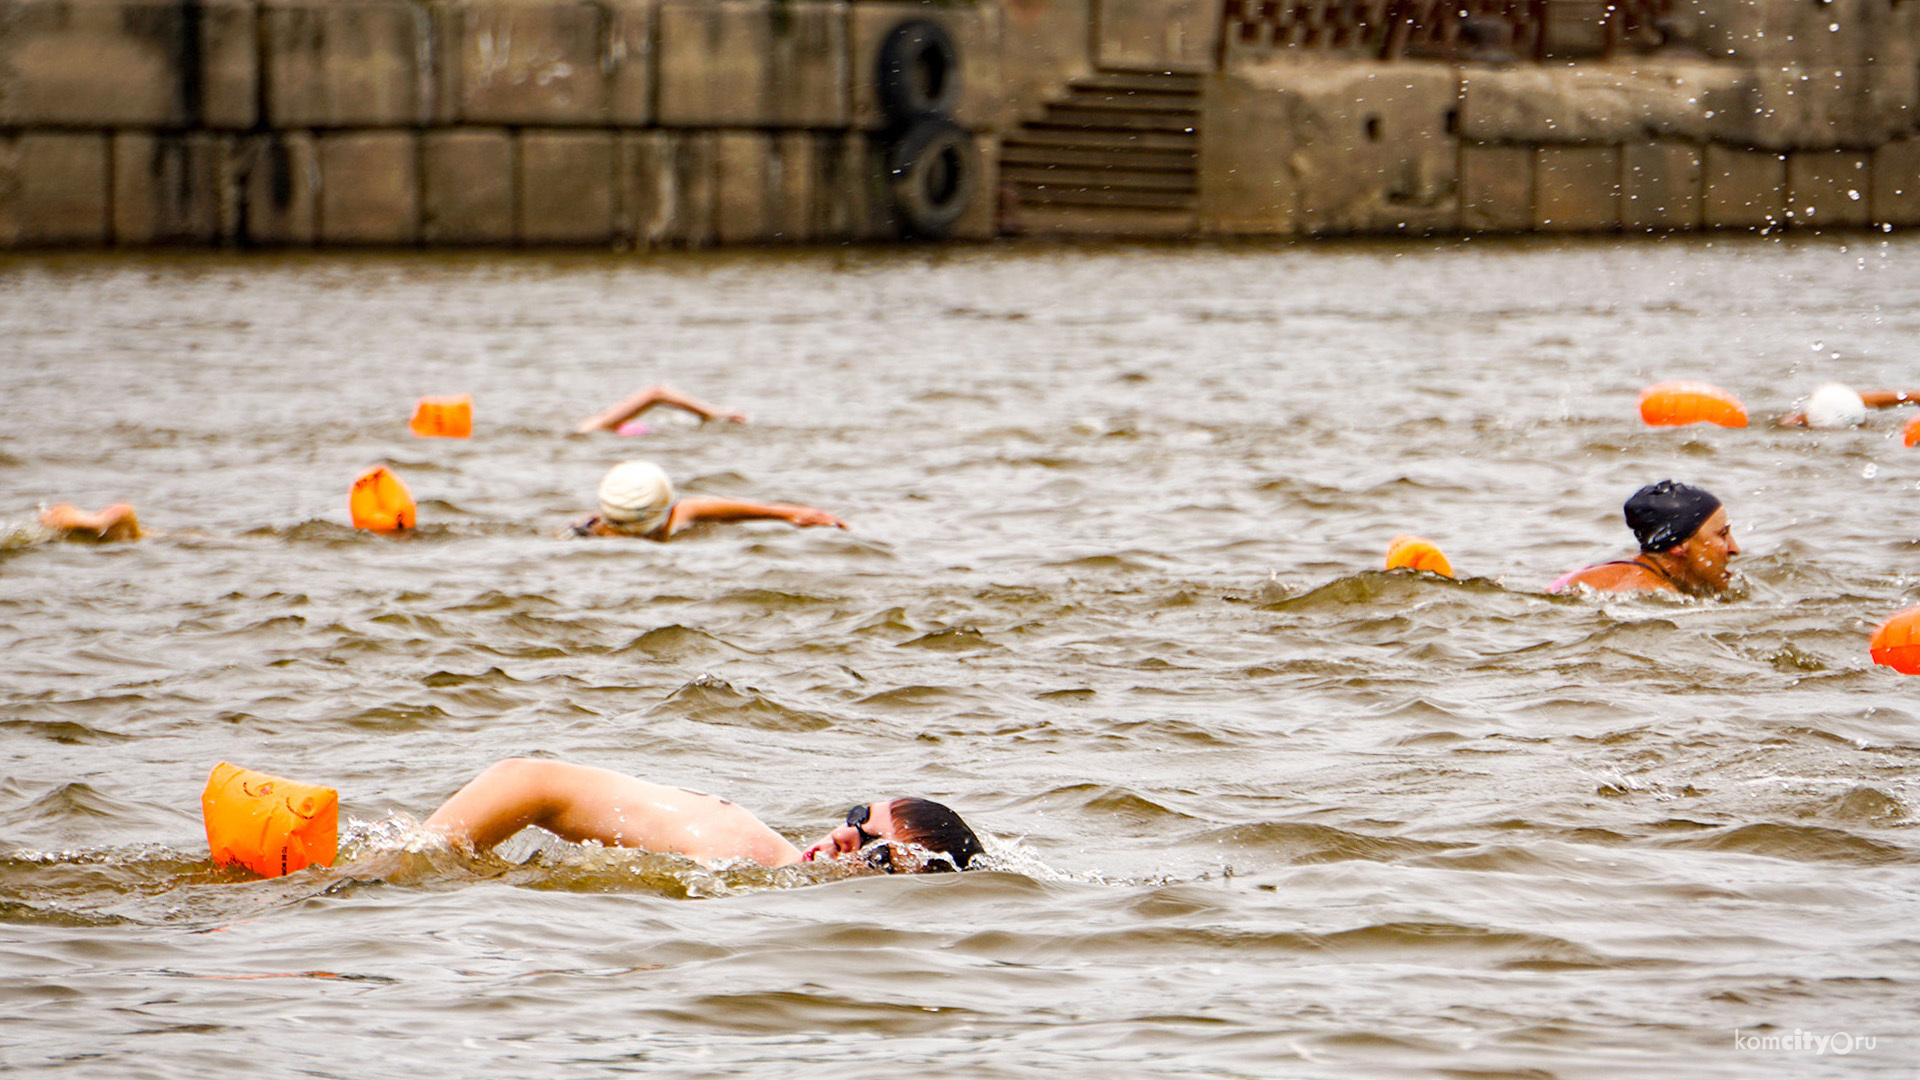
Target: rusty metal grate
point(1443, 29)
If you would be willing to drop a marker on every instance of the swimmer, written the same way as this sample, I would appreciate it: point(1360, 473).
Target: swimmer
point(581, 803)
point(109, 524)
point(1685, 543)
point(611, 417)
point(1836, 406)
point(637, 499)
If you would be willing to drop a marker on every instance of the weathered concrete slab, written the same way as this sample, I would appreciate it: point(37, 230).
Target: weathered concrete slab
point(1816, 108)
point(1328, 147)
point(53, 189)
point(976, 33)
point(752, 63)
point(742, 212)
point(849, 202)
point(369, 191)
point(1660, 185)
point(1043, 45)
point(277, 180)
point(1744, 189)
point(548, 62)
point(1599, 103)
point(345, 63)
point(466, 190)
point(981, 221)
point(1576, 188)
point(126, 63)
point(566, 187)
point(1829, 189)
point(166, 188)
point(790, 186)
point(1246, 177)
point(1896, 183)
point(1496, 188)
point(1171, 35)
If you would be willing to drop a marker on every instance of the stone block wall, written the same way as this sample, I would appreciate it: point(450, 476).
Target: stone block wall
point(626, 123)
point(1316, 146)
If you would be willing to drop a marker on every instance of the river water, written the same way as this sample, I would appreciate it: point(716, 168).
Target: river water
point(1255, 807)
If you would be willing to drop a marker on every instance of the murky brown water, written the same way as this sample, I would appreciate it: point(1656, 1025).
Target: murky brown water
point(1257, 810)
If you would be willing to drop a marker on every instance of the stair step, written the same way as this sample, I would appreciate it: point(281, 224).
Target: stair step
point(1044, 134)
point(1081, 97)
point(1052, 195)
point(1099, 179)
point(1130, 79)
point(1103, 119)
point(1016, 152)
point(1078, 221)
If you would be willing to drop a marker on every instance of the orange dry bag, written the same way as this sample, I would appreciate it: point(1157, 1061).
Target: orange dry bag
point(268, 824)
point(1676, 404)
point(444, 417)
point(1417, 553)
point(1897, 643)
point(379, 501)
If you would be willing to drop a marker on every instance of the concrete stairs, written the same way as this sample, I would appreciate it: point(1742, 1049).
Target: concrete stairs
point(1119, 155)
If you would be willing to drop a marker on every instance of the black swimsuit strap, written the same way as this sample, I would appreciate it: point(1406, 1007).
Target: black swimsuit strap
point(1664, 576)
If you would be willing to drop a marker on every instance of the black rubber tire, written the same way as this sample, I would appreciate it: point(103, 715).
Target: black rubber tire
point(919, 72)
point(931, 173)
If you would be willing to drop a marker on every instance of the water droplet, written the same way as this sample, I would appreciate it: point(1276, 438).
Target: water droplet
point(1872, 470)
point(1818, 345)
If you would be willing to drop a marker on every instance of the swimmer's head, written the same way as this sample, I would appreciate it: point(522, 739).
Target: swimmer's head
point(936, 828)
point(636, 496)
point(1835, 406)
point(1668, 513)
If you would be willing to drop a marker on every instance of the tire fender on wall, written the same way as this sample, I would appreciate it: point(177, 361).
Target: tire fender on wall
point(919, 72)
point(932, 172)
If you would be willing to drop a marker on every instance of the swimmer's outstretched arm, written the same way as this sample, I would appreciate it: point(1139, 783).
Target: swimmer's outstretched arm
point(692, 509)
point(582, 803)
point(611, 417)
point(1872, 399)
point(115, 522)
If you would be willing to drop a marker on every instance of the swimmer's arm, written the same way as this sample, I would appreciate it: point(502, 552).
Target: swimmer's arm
point(1872, 399)
point(1884, 399)
point(113, 523)
point(689, 510)
point(611, 417)
point(583, 803)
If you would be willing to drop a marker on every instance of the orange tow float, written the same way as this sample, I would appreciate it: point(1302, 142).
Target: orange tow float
point(1912, 432)
point(1897, 643)
point(269, 824)
point(1675, 404)
point(443, 417)
point(1417, 553)
point(379, 501)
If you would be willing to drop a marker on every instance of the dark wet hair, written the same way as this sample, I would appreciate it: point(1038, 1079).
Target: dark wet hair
point(1667, 513)
point(931, 825)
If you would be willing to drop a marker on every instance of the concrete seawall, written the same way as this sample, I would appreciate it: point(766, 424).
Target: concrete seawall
point(648, 123)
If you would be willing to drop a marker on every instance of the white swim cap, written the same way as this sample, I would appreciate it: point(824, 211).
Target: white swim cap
point(1835, 406)
point(636, 495)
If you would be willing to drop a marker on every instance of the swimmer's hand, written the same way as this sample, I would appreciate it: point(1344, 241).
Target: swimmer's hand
point(807, 516)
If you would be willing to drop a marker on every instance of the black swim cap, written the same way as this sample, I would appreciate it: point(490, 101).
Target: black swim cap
point(1667, 513)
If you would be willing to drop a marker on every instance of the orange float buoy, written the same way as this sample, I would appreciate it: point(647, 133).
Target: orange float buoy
point(1897, 643)
point(1674, 404)
point(443, 417)
point(1417, 553)
point(1912, 434)
point(379, 501)
point(269, 824)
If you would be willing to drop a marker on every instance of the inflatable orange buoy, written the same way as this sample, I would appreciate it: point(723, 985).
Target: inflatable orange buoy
point(443, 417)
point(269, 824)
point(379, 501)
point(1417, 553)
point(1674, 404)
point(1912, 434)
point(1897, 643)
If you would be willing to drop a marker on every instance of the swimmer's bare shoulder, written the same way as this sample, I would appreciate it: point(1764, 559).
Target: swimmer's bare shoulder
point(1620, 577)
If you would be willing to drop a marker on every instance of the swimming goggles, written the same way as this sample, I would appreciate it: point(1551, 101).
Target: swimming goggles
point(881, 856)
